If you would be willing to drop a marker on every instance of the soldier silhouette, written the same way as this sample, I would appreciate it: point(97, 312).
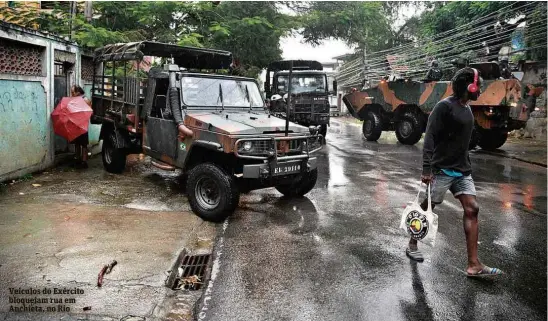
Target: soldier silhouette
point(434, 73)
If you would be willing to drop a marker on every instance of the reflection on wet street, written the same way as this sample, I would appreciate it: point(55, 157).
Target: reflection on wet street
point(337, 254)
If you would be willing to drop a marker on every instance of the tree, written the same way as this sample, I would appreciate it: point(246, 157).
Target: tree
point(251, 31)
point(357, 23)
point(446, 16)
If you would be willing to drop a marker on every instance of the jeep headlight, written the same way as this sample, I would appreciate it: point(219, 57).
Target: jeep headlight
point(313, 130)
point(248, 146)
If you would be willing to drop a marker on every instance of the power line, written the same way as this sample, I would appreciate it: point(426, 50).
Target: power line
point(467, 26)
point(466, 41)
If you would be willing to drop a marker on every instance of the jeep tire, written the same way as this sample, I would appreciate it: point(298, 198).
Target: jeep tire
point(409, 128)
point(212, 193)
point(301, 186)
point(491, 139)
point(114, 158)
point(372, 126)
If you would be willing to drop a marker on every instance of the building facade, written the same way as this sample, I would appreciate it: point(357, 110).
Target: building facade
point(36, 71)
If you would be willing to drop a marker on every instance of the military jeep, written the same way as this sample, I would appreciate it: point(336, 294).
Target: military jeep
point(192, 115)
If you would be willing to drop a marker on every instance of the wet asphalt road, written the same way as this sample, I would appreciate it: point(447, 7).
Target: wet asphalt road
point(337, 254)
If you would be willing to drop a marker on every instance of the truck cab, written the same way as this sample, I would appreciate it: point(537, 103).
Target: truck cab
point(307, 83)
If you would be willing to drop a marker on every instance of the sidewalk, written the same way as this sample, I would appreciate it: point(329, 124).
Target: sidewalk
point(60, 227)
point(528, 150)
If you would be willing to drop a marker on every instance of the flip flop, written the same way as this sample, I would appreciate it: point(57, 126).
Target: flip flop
point(485, 272)
point(415, 255)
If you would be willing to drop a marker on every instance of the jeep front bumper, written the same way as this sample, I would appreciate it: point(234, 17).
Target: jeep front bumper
point(280, 156)
point(281, 169)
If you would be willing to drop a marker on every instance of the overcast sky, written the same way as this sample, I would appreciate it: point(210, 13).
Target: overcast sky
point(293, 48)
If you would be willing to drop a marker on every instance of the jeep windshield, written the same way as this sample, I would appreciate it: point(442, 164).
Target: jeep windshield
point(301, 84)
point(216, 92)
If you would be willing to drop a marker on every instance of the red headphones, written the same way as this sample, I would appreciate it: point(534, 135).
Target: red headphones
point(473, 87)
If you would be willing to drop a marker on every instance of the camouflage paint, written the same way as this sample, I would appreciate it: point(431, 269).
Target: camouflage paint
point(508, 94)
point(24, 125)
point(217, 128)
point(390, 95)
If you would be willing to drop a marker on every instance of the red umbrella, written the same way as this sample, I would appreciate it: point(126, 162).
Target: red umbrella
point(71, 117)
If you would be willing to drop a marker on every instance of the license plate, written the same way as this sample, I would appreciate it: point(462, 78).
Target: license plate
point(287, 169)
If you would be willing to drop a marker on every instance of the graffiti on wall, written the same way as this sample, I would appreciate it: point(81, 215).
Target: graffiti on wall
point(24, 126)
point(15, 100)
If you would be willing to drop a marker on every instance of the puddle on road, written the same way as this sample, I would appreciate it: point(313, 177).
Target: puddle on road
point(149, 205)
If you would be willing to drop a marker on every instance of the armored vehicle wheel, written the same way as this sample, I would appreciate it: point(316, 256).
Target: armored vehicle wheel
point(372, 126)
point(323, 130)
point(114, 159)
point(491, 139)
point(409, 129)
point(301, 186)
point(212, 193)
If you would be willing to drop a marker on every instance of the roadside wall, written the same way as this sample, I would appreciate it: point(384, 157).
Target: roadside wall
point(32, 65)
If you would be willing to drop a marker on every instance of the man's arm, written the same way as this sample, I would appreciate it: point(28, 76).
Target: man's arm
point(435, 125)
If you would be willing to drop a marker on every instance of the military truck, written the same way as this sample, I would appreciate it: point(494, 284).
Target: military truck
point(212, 126)
point(307, 82)
point(403, 105)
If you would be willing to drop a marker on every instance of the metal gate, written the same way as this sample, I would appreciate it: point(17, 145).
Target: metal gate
point(60, 90)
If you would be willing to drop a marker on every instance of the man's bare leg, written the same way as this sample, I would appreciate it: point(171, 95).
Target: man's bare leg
point(471, 230)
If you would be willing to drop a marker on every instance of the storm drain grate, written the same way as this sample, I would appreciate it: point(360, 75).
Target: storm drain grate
point(189, 272)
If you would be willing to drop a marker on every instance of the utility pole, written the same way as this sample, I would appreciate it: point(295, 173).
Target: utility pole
point(73, 7)
point(365, 69)
point(88, 11)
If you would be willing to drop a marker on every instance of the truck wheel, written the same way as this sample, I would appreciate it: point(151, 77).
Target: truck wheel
point(212, 193)
point(114, 159)
point(409, 129)
point(491, 139)
point(323, 130)
point(301, 186)
point(372, 126)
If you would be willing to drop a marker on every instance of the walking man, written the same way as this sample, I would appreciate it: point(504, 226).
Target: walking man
point(446, 163)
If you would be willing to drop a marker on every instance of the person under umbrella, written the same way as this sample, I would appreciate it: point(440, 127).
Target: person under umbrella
point(81, 142)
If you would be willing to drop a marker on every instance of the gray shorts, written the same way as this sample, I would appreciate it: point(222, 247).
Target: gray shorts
point(457, 186)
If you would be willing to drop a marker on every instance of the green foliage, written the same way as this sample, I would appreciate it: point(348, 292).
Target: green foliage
point(26, 177)
point(250, 30)
point(356, 23)
point(446, 16)
point(537, 20)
